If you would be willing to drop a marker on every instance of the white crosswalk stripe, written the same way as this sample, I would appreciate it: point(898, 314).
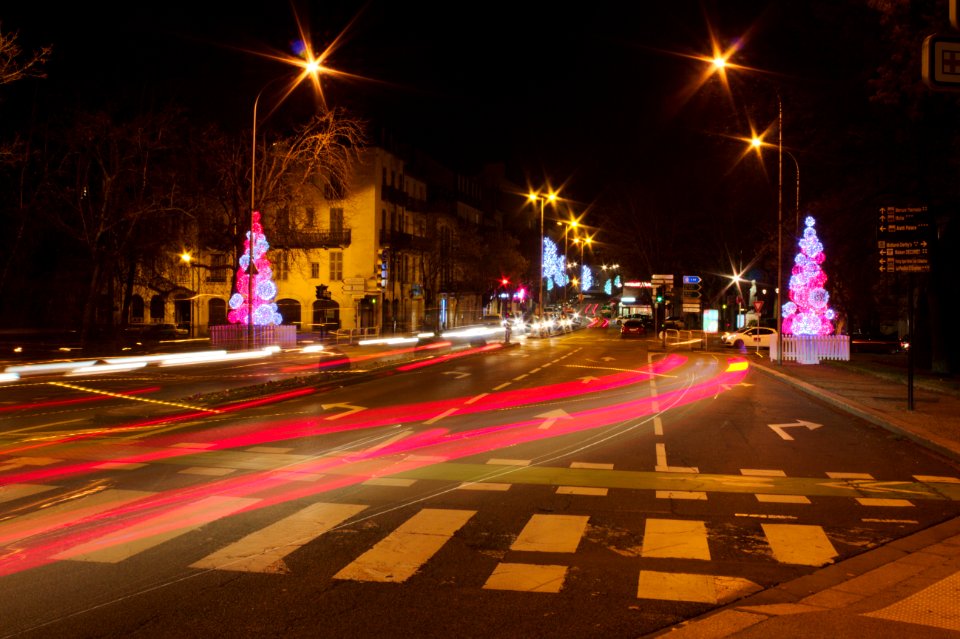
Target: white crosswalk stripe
point(265, 549)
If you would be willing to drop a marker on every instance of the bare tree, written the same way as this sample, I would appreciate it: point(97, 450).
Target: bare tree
point(116, 192)
point(14, 65)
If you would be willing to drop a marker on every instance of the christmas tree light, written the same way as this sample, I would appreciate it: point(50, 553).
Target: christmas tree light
point(807, 312)
point(265, 311)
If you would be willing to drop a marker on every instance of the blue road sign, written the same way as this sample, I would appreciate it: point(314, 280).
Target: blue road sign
point(691, 279)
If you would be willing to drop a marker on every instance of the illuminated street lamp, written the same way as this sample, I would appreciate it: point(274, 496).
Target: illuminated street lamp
point(551, 197)
point(757, 143)
point(572, 224)
point(187, 259)
point(311, 67)
point(582, 241)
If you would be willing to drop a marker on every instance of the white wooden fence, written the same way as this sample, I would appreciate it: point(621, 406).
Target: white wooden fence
point(236, 336)
point(810, 349)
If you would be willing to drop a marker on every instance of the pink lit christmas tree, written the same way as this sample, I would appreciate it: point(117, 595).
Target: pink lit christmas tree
point(807, 312)
point(264, 290)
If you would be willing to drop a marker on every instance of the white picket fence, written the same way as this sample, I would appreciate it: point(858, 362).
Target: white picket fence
point(238, 336)
point(810, 349)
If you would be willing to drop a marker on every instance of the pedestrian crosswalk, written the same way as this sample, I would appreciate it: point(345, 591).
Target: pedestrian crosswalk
point(416, 541)
point(541, 554)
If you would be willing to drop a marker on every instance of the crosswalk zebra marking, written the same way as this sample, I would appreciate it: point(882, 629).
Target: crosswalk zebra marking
point(582, 490)
point(486, 485)
point(709, 589)
point(799, 544)
point(16, 491)
point(891, 503)
point(782, 499)
point(761, 472)
point(849, 475)
point(401, 553)
point(208, 471)
point(63, 513)
point(551, 533)
point(390, 481)
point(264, 550)
point(125, 543)
point(682, 494)
point(527, 578)
point(676, 539)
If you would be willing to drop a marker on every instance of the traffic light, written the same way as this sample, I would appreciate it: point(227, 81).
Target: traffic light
point(322, 293)
point(659, 298)
point(382, 268)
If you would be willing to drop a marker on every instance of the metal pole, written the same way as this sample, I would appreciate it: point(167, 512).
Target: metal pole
point(779, 229)
point(540, 302)
point(566, 279)
point(253, 200)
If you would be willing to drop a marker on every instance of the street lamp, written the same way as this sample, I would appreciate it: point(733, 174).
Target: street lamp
point(582, 241)
point(551, 196)
point(757, 143)
point(311, 67)
point(187, 259)
point(572, 224)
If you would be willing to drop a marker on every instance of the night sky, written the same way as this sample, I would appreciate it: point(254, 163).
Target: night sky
point(580, 94)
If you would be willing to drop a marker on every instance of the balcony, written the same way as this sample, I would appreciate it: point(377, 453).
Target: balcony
point(288, 238)
point(398, 241)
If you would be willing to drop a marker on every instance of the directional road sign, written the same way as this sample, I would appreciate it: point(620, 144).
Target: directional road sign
point(903, 239)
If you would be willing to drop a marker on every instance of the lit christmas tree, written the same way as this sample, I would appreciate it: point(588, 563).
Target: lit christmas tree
point(807, 312)
point(264, 290)
point(553, 265)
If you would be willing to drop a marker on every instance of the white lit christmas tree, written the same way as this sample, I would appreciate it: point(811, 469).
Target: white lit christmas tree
point(807, 312)
point(264, 290)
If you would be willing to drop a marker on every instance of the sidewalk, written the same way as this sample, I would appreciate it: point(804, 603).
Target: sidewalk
point(907, 588)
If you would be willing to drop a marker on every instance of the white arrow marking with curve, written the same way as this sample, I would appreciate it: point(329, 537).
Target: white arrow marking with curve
point(552, 417)
point(459, 374)
point(780, 429)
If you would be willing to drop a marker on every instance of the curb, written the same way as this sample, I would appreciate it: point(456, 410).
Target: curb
point(861, 576)
point(876, 418)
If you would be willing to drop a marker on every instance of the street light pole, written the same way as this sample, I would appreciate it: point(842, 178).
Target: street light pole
point(537, 197)
point(780, 228)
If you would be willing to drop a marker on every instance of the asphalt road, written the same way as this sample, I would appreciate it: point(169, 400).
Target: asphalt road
point(579, 486)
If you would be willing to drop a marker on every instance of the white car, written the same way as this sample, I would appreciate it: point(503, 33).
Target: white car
point(756, 336)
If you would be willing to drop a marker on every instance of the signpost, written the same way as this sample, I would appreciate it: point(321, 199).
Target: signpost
point(903, 239)
point(904, 235)
point(691, 294)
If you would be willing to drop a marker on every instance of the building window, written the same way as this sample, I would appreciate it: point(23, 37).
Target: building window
point(315, 270)
point(281, 265)
point(336, 266)
point(218, 268)
point(336, 219)
point(311, 216)
point(384, 176)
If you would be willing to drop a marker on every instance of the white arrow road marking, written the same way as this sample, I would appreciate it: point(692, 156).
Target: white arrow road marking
point(350, 409)
point(459, 374)
point(780, 429)
point(587, 379)
point(550, 418)
point(608, 359)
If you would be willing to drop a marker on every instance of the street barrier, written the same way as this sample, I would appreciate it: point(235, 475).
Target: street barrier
point(810, 349)
point(238, 336)
point(674, 338)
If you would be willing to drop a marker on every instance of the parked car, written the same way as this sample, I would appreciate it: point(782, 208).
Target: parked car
point(676, 323)
point(755, 336)
point(633, 328)
point(153, 333)
point(876, 342)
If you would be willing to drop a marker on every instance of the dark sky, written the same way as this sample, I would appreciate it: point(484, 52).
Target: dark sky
point(580, 93)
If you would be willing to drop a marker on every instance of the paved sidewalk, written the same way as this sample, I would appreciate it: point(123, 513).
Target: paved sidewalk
point(907, 588)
